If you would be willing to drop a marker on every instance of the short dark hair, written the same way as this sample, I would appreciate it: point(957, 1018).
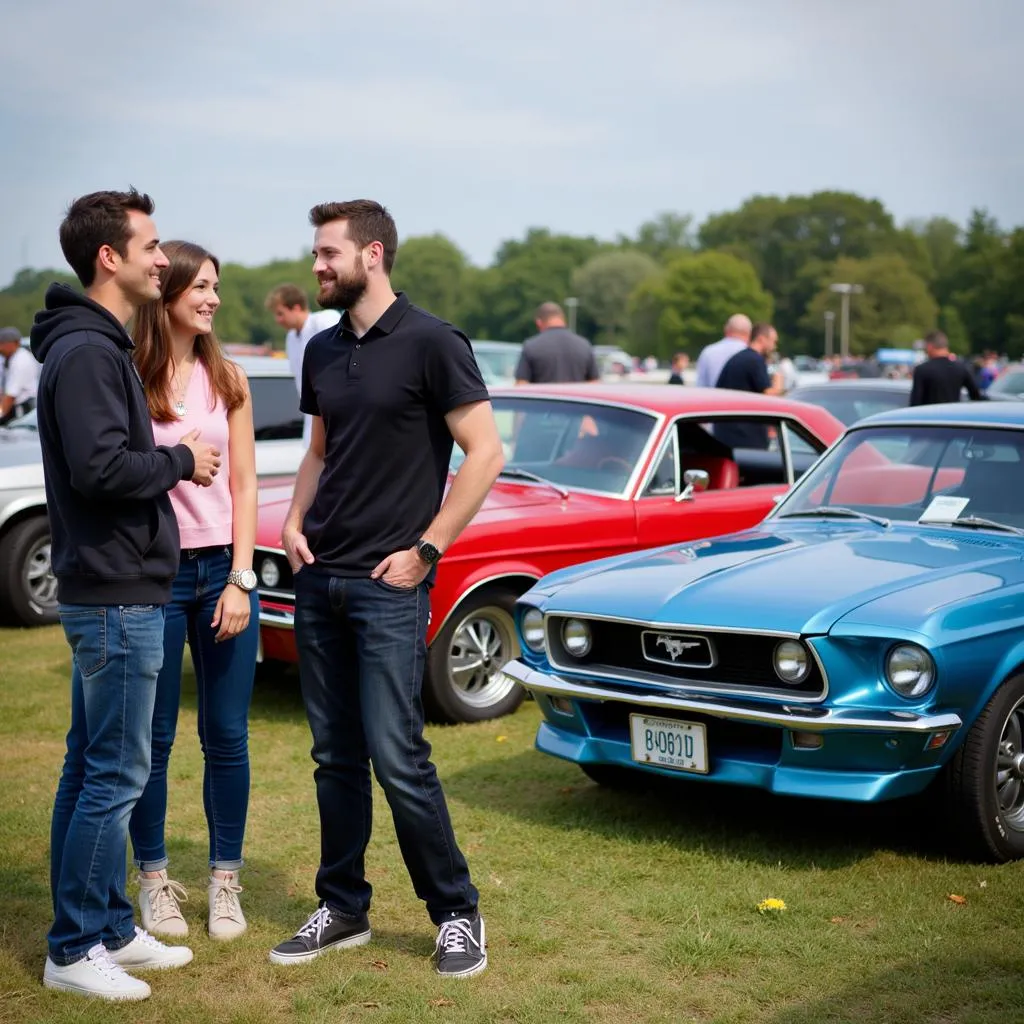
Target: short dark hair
point(287, 295)
point(95, 220)
point(760, 330)
point(368, 222)
point(936, 339)
point(548, 311)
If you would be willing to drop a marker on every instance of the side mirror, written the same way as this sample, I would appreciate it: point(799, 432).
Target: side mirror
point(694, 480)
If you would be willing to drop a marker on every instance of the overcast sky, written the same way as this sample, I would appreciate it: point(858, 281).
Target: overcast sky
point(481, 118)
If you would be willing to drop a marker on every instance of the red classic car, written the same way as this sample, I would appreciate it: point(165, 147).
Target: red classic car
point(591, 470)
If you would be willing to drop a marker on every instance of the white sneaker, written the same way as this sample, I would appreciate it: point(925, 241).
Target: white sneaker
point(226, 918)
point(146, 953)
point(95, 975)
point(158, 906)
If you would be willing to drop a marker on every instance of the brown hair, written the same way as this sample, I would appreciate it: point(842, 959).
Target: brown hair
point(95, 220)
point(153, 343)
point(287, 295)
point(367, 222)
point(760, 330)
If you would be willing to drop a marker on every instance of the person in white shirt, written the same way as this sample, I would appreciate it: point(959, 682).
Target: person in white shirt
point(713, 358)
point(290, 307)
point(19, 376)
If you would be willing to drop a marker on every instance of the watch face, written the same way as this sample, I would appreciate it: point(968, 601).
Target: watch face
point(248, 579)
point(428, 552)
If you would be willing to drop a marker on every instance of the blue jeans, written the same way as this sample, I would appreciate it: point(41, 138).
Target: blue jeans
point(117, 652)
point(362, 649)
point(224, 680)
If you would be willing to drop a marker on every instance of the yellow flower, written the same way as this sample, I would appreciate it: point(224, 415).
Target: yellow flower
point(771, 906)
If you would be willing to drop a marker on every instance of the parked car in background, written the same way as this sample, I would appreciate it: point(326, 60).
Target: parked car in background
point(1009, 384)
point(863, 643)
point(590, 471)
point(497, 361)
point(852, 399)
point(28, 589)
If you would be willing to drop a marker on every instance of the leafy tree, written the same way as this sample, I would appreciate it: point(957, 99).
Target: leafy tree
point(685, 307)
point(666, 236)
point(23, 297)
point(894, 306)
point(430, 270)
point(603, 286)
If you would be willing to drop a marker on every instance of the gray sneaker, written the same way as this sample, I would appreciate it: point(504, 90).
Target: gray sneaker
point(461, 947)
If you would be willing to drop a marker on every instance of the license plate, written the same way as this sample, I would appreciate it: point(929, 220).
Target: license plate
point(668, 743)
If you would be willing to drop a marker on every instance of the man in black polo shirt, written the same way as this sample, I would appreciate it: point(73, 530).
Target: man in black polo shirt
point(940, 378)
point(388, 388)
point(748, 371)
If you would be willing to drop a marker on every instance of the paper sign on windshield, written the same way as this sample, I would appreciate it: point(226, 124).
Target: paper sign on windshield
point(944, 509)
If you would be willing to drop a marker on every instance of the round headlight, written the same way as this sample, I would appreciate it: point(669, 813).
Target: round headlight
point(533, 629)
point(270, 575)
point(910, 670)
point(792, 662)
point(576, 638)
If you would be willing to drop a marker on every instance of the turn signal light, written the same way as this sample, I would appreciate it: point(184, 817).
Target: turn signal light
point(807, 740)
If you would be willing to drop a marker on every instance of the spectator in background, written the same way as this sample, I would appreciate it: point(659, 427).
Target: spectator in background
point(290, 308)
point(680, 363)
point(941, 377)
point(556, 355)
point(19, 376)
point(748, 371)
point(714, 356)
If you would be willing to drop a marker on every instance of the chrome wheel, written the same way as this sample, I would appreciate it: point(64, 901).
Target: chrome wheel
point(481, 643)
point(1009, 769)
point(37, 576)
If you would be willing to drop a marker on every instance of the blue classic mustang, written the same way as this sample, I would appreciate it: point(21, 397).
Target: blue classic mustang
point(861, 643)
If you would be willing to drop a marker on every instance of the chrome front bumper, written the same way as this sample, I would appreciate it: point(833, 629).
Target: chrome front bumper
point(802, 717)
point(277, 618)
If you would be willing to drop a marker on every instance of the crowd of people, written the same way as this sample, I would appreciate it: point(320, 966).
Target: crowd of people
point(149, 465)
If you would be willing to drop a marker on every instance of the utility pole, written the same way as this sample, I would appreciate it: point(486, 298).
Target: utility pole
point(830, 321)
point(846, 290)
point(571, 304)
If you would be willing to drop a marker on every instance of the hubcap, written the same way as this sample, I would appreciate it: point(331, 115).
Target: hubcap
point(481, 644)
point(37, 574)
point(1009, 775)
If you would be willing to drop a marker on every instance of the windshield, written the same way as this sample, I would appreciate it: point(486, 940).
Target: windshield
point(909, 473)
point(575, 444)
point(1010, 383)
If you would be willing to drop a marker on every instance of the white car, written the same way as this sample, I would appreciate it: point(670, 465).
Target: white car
point(28, 589)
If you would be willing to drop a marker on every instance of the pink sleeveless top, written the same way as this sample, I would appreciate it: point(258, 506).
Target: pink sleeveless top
point(204, 513)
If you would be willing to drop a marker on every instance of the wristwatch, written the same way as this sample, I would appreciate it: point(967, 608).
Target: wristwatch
point(430, 553)
point(244, 579)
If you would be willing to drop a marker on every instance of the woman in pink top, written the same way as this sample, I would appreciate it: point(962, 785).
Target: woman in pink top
point(191, 386)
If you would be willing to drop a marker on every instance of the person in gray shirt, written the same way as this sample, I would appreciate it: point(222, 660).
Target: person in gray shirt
point(556, 355)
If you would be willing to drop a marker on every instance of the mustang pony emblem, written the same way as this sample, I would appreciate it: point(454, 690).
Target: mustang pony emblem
point(674, 646)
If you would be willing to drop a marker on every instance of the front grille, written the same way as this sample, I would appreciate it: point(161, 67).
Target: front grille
point(705, 659)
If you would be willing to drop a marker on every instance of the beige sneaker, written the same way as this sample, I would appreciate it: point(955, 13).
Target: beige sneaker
point(226, 918)
point(158, 903)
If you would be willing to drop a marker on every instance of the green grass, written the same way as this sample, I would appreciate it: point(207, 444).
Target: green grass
point(600, 906)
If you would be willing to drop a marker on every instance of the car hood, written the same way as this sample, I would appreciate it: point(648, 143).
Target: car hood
point(21, 459)
point(790, 578)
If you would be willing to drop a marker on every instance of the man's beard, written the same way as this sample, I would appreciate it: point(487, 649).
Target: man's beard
point(343, 293)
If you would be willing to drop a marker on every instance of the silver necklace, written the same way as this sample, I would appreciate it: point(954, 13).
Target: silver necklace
point(180, 409)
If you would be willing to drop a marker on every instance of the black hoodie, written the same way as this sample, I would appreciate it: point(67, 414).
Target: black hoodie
point(114, 538)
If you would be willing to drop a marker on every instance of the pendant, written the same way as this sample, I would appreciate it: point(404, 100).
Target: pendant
point(179, 409)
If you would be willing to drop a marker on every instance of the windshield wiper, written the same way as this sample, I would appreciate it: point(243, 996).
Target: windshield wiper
point(977, 523)
point(525, 474)
point(836, 510)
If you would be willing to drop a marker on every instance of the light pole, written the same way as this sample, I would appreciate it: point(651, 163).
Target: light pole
point(846, 290)
point(571, 303)
point(830, 321)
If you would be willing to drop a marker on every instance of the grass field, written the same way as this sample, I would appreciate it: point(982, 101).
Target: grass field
point(600, 906)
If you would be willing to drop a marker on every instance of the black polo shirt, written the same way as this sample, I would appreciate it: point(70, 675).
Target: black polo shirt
point(745, 371)
point(383, 399)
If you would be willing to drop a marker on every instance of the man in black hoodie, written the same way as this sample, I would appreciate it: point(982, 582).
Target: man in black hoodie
point(115, 551)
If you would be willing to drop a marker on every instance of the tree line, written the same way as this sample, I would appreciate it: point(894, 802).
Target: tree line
point(672, 285)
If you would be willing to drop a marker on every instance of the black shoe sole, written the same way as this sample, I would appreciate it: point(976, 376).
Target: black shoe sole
point(302, 958)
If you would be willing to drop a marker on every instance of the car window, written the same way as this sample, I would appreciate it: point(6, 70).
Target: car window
point(665, 478)
point(275, 409)
point(898, 471)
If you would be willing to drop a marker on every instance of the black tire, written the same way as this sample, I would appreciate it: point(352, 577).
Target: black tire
point(985, 780)
point(461, 683)
point(613, 776)
point(28, 588)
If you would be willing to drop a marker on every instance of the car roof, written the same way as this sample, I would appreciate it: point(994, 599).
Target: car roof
point(263, 366)
point(856, 384)
point(993, 414)
point(669, 399)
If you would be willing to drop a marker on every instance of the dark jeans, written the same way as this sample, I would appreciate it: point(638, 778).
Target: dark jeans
point(362, 648)
point(224, 680)
point(117, 653)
